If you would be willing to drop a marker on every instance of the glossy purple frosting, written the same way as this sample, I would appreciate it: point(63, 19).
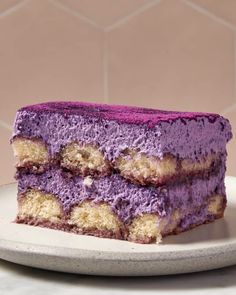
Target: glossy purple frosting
point(126, 200)
point(115, 128)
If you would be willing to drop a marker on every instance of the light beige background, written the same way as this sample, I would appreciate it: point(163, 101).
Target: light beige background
point(168, 54)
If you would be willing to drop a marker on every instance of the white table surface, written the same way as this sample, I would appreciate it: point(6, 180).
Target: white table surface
point(20, 280)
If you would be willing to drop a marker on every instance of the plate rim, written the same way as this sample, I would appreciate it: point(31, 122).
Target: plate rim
point(6, 245)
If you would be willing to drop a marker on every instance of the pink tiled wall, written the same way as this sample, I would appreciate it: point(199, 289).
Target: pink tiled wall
point(172, 54)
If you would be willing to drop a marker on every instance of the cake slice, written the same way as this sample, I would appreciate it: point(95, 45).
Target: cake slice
point(121, 172)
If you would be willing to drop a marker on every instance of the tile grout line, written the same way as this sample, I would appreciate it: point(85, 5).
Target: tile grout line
point(209, 14)
point(228, 109)
point(131, 15)
point(105, 71)
point(13, 8)
point(4, 125)
point(114, 25)
point(76, 14)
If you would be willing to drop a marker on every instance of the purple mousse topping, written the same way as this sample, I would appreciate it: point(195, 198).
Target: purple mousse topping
point(115, 128)
point(126, 200)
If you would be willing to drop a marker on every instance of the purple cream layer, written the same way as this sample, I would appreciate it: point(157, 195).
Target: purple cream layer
point(126, 200)
point(115, 128)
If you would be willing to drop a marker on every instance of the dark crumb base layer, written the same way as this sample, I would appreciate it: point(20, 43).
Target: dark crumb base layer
point(119, 235)
point(171, 179)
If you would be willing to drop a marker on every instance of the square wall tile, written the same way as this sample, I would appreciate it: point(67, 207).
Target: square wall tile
point(48, 54)
point(171, 57)
point(225, 9)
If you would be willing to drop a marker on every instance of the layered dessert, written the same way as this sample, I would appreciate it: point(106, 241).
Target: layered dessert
point(119, 172)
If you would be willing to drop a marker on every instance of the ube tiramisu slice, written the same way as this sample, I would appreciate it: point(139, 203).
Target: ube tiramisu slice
point(115, 171)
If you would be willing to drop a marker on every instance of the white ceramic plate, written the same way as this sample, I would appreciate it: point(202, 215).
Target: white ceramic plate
point(206, 247)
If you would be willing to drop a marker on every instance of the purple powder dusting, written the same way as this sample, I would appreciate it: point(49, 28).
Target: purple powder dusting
point(120, 113)
point(126, 200)
point(115, 128)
